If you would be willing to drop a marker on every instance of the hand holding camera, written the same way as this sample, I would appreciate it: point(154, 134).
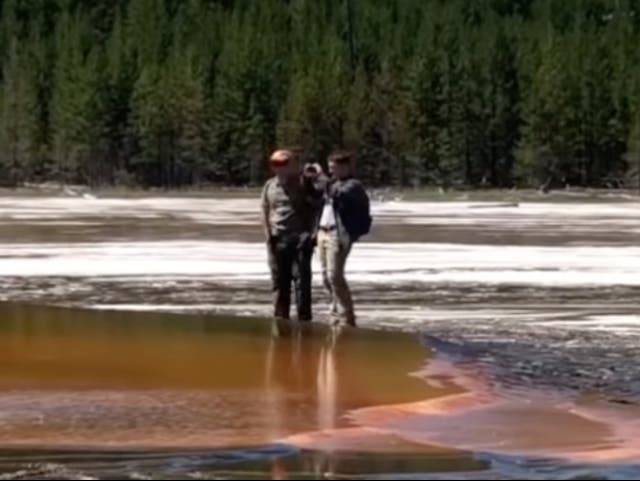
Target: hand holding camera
point(311, 170)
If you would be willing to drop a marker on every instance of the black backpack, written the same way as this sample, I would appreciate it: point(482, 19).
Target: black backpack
point(355, 211)
point(362, 218)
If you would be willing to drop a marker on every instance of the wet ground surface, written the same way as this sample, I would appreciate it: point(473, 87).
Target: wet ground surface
point(543, 293)
point(538, 295)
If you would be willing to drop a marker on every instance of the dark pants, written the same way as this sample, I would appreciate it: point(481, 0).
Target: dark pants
point(290, 262)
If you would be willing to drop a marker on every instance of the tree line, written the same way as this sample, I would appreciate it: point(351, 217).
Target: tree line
point(171, 93)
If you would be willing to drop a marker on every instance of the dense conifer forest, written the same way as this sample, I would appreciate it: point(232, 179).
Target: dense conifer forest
point(173, 93)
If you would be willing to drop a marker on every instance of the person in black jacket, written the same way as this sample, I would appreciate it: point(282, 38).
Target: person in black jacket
point(343, 220)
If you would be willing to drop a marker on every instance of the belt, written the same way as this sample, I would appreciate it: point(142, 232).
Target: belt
point(328, 229)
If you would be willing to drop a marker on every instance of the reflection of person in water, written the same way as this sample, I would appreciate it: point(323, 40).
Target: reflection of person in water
point(303, 365)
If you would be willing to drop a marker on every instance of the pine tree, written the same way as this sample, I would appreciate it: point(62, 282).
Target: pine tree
point(421, 110)
point(9, 32)
point(551, 132)
point(503, 97)
point(116, 83)
point(147, 31)
point(148, 118)
point(314, 114)
point(249, 87)
point(73, 103)
point(632, 154)
point(187, 111)
point(18, 116)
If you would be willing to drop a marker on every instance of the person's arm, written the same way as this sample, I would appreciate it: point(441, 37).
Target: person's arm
point(266, 211)
point(314, 187)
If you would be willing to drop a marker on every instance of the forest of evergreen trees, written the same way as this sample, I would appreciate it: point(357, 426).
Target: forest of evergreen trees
point(170, 93)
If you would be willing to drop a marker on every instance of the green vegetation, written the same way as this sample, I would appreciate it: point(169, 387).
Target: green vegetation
point(172, 93)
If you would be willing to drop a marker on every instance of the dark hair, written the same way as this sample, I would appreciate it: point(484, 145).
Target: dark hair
point(340, 157)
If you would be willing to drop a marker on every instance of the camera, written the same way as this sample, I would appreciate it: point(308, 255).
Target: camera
point(310, 170)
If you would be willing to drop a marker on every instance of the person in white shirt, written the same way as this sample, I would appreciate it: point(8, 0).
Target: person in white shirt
point(345, 218)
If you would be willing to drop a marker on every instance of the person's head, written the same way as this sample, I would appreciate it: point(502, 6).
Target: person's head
point(284, 164)
point(341, 164)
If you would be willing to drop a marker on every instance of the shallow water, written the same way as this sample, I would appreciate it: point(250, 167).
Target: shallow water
point(98, 393)
point(103, 394)
point(168, 381)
